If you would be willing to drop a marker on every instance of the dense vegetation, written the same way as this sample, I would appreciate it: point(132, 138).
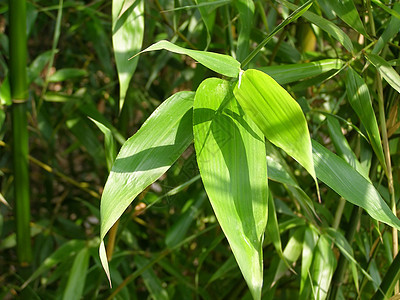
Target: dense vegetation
point(180, 158)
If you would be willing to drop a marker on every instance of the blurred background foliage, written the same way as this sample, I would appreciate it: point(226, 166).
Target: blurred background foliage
point(169, 245)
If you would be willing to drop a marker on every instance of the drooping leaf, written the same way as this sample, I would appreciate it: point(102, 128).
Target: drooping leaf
point(145, 157)
point(360, 99)
point(351, 185)
point(386, 70)
point(309, 243)
point(127, 36)
point(232, 161)
point(246, 16)
point(323, 266)
point(394, 12)
point(208, 13)
point(277, 114)
point(151, 281)
point(77, 276)
point(327, 26)
point(110, 148)
point(220, 63)
point(391, 30)
point(342, 147)
point(289, 73)
point(347, 11)
point(63, 253)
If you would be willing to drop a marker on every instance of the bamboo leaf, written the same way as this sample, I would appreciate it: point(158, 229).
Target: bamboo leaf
point(77, 276)
point(394, 12)
point(232, 161)
point(324, 264)
point(309, 243)
point(145, 157)
point(360, 100)
point(110, 147)
point(277, 114)
point(327, 26)
point(150, 279)
point(347, 11)
point(127, 37)
point(289, 73)
point(246, 16)
point(391, 30)
point(342, 146)
point(386, 70)
point(220, 63)
point(67, 73)
point(63, 253)
point(350, 184)
point(207, 9)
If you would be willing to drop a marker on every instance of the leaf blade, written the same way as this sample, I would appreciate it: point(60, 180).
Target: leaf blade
point(232, 162)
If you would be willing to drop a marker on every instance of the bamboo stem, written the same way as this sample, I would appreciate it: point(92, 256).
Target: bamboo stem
point(19, 94)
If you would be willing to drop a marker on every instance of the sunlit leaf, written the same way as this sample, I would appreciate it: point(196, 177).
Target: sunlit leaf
point(277, 114)
point(232, 161)
point(127, 36)
point(145, 156)
point(222, 64)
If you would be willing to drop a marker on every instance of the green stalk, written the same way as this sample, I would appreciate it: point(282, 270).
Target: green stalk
point(19, 94)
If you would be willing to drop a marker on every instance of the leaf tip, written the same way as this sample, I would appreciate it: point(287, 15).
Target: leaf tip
point(104, 262)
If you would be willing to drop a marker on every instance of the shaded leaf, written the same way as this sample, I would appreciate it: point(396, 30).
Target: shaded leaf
point(391, 30)
point(323, 266)
point(350, 184)
point(67, 73)
point(232, 161)
point(327, 26)
point(347, 11)
point(145, 157)
point(220, 63)
point(128, 30)
point(77, 276)
point(360, 100)
point(386, 70)
point(289, 73)
point(309, 243)
point(246, 16)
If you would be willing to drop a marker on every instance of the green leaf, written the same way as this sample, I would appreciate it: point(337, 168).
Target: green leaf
point(298, 11)
point(360, 100)
point(150, 279)
point(277, 114)
point(327, 26)
point(109, 144)
point(67, 73)
point(391, 30)
point(77, 276)
point(289, 73)
point(63, 253)
point(309, 243)
point(246, 16)
point(232, 161)
point(386, 70)
point(394, 12)
point(342, 146)
point(145, 157)
point(207, 9)
point(128, 30)
point(178, 231)
point(323, 266)
point(347, 11)
point(220, 63)
point(351, 185)
point(5, 92)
